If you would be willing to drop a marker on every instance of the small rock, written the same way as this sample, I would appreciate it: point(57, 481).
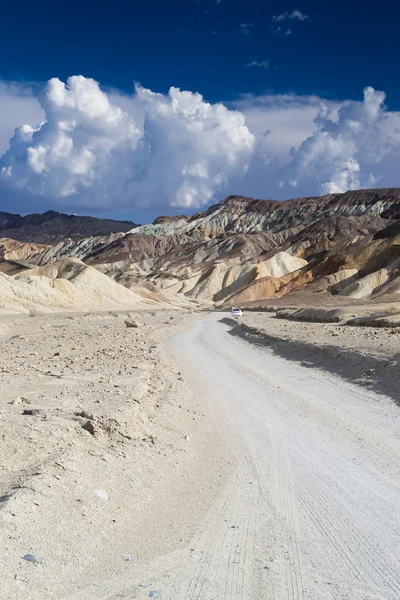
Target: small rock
point(32, 411)
point(131, 323)
point(126, 557)
point(32, 558)
point(154, 594)
point(89, 426)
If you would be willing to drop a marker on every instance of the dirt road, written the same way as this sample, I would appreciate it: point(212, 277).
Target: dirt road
point(312, 508)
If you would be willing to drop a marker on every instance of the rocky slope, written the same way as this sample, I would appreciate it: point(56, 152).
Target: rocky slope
point(244, 250)
point(52, 227)
point(247, 215)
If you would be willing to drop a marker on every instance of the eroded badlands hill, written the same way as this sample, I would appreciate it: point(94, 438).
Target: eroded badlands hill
point(242, 250)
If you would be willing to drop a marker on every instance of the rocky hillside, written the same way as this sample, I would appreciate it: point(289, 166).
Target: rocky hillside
point(238, 214)
point(52, 227)
point(333, 248)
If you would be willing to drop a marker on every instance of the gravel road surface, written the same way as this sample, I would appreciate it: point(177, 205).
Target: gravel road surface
point(313, 510)
point(312, 506)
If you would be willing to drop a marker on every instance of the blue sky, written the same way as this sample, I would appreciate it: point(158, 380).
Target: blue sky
point(275, 62)
point(200, 45)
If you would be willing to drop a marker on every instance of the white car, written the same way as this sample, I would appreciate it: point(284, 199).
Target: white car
point(236, 312)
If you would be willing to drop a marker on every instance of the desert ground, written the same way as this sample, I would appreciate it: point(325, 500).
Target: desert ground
point(102, 442)
point(197, 457)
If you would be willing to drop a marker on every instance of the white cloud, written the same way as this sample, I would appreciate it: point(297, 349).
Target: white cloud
point(351, 148)
point(158, 150)
point(288, 120)
point(112, 151)
point(282, 17)
point(263, 64)
point(18, 104)
point(295, 15)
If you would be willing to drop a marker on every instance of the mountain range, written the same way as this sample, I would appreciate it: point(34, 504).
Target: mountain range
point(319, 250)
point(52, 227)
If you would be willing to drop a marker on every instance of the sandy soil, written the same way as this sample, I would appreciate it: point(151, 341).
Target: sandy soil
point(101, 440)
point(379, 342)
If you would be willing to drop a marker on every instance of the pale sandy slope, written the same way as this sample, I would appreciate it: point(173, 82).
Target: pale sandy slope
point(312, 509)
point(70, 285)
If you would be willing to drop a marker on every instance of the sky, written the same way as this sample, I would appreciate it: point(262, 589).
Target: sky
point(135, 109)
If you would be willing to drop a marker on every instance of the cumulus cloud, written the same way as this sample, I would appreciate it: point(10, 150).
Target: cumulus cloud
point(283, 120)
point(18, 104)
point(192, 147)
point(350, 147)
point(173, 149)
point(84, 149)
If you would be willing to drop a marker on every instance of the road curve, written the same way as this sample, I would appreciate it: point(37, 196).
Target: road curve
point(313, 511)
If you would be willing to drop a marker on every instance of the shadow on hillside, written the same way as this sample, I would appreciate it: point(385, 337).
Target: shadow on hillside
point(376, 374)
